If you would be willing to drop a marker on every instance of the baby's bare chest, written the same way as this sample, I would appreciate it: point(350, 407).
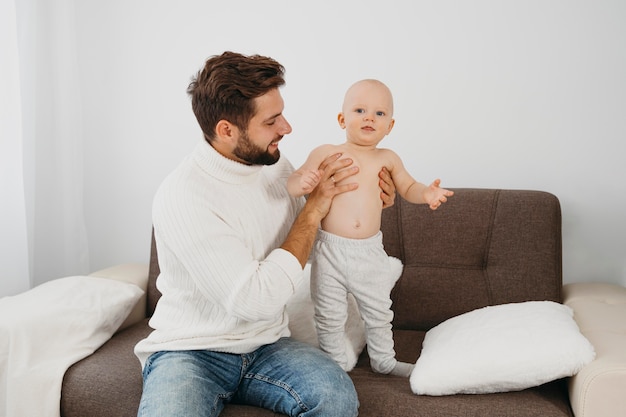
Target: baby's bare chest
point(369, 164)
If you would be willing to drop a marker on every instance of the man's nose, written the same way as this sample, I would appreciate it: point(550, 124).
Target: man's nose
point(286, 127)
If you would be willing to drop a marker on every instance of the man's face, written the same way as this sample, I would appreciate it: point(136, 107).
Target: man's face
point(258, 145)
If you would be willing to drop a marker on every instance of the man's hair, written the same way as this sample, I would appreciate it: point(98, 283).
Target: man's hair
point(226, 87)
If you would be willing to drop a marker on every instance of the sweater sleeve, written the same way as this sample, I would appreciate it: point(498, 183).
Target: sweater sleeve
point(259, 293)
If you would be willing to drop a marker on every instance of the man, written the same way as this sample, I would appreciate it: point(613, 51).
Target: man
point(232, 244)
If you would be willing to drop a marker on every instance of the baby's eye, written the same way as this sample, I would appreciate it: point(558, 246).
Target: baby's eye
point(360, 111)
point(380, 113)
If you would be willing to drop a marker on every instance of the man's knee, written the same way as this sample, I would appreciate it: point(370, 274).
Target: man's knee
point(176, 384)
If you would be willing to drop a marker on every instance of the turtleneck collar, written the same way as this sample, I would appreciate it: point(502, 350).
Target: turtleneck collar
point(218, 166)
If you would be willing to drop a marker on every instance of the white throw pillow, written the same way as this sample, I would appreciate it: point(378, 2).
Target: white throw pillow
point(507, 347)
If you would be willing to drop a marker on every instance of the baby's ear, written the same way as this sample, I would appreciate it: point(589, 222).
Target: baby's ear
point(393, 122)
point(341, 120)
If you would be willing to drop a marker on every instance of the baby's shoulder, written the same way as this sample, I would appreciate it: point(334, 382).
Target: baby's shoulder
point(334, 147)
point(327, 149)
point(389, 158)
point(386, 153)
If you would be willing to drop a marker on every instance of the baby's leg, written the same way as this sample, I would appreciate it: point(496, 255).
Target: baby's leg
point(372, 292)
point(331, 309)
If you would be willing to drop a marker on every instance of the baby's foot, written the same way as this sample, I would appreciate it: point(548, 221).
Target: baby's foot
point(402, 369)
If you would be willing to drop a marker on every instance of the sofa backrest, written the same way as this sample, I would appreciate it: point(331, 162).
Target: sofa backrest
point(483, 247)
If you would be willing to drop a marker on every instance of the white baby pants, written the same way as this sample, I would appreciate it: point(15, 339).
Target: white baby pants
point(361, 267)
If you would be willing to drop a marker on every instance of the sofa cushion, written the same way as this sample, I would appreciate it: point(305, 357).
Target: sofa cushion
point(108, 383)
point(501, 348)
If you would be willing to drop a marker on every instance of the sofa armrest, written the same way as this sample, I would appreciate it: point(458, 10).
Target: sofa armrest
point(600, 312)
point(135, 274)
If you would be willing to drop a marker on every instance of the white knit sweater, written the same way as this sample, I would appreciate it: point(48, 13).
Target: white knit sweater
point(224, 281)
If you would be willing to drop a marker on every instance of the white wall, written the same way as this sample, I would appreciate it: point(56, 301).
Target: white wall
point(488, 93)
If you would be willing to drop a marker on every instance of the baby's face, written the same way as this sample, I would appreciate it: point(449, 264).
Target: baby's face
point(367, 113)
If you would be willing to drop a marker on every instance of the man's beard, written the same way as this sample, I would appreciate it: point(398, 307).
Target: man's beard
point(253, 154)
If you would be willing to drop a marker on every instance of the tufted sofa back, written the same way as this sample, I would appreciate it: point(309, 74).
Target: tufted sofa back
point(483, 247)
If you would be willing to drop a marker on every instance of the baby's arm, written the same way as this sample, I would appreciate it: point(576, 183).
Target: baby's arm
point(413, 190)
point(303, 180)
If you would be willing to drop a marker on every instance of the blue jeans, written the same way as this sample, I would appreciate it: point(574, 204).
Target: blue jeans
point(287, 377)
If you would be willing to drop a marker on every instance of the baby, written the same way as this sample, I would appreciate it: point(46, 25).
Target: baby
point(348, 255)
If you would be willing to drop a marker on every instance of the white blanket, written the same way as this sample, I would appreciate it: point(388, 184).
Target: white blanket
point(45, 330)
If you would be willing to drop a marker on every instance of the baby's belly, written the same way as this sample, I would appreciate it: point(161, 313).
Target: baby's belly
point(354, 216)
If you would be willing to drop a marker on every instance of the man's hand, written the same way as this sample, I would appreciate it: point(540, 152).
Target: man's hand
point(333, 170)
point(388, 194)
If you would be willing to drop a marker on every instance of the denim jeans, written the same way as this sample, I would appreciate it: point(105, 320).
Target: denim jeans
point(287, 377)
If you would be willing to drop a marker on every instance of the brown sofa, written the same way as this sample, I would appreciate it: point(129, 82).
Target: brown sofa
point(484, 247)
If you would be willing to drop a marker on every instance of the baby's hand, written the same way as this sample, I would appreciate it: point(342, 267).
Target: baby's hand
point(435, 196)
point(309, 180)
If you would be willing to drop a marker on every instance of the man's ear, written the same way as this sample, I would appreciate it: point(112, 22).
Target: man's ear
point(225, 131)
point(342, 120)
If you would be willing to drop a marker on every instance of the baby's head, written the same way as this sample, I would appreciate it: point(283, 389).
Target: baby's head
point(367, 112)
